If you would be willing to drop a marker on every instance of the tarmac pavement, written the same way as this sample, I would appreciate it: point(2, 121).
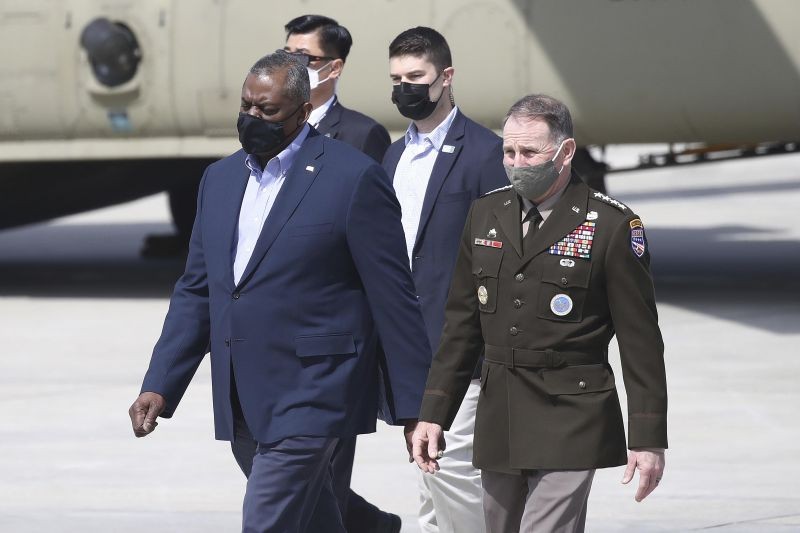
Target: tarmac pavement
point(79, 313)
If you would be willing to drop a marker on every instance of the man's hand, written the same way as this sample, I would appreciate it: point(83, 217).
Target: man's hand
point(427, 445)
point(144, 411)
point(408, 430)
point(650, 463)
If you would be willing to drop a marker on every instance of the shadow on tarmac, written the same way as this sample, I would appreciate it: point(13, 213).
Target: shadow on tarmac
point(719, 191)
point(721, 271)
point(93, 261)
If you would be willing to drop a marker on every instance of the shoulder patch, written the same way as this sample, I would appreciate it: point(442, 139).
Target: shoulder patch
point(638, 239)
point(610, 201)
point(497, 190)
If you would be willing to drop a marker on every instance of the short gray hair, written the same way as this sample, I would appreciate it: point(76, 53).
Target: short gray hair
point(297, 86)
point(546, 108)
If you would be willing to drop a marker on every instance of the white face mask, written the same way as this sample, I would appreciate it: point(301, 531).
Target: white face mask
point(313, 75)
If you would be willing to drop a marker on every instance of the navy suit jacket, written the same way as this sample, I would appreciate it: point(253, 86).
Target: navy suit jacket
point(471, 168)
point(356, 129)
point(299, 333)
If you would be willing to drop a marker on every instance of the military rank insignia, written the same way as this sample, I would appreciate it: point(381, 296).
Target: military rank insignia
point(638, 241)
point(578, 243)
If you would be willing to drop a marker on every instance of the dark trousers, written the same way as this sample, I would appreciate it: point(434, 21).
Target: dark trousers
point(289, 488)
point(359, 516)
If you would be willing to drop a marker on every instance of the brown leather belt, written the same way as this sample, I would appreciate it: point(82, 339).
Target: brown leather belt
point(512, 357)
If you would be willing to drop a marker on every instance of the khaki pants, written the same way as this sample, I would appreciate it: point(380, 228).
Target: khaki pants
point(547, 501)
point(451, 499)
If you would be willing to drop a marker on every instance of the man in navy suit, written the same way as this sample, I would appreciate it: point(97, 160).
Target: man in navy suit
point(322, 44)
point(443, 163)
point(289, 283)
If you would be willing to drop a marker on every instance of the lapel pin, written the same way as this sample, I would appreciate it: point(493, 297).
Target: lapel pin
point(576, 208)
point(492, 233)
point(507, 203)
point(591, 215)
point(309, 168)
point(448, 148)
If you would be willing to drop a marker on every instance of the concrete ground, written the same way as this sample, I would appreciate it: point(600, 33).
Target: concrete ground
point(79, 313)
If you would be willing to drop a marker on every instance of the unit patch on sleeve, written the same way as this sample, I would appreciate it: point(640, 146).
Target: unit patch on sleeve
point(578, 243)
point(638, 240)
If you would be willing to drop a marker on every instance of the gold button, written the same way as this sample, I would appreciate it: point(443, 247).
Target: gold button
point(519, 277)
point(513, 330)
point(517, 304)
point(582, 384)
point(564, 281)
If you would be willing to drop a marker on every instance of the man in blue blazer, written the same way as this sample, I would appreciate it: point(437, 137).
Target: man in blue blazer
point(322, 44)
point(443, 163)
point(289, 283)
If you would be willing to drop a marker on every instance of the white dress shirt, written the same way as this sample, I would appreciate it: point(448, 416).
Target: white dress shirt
point(263, 186)
point(414, 171)
point(318, 113)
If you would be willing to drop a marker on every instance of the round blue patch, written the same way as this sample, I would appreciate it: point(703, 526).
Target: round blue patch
point(561, 305)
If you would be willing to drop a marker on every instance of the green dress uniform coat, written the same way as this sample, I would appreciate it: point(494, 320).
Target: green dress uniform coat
point(544, 311)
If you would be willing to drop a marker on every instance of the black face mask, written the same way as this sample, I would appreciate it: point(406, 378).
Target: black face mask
point(412, 99)
point(259, 136)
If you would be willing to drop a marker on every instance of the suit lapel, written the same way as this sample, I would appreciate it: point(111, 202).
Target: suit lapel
point(441, 169)
point(509, 217)
point(392, 157)
point(231, 204)
point(329, 125)
point(568, 213)
point(304, 171)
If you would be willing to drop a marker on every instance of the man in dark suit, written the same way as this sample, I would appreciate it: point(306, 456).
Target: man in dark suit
point(548, 271)
point(444, 162)
point(322, 44)
point(293, 343)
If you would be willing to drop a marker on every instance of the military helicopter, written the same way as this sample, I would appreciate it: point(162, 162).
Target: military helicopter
point(105, 101)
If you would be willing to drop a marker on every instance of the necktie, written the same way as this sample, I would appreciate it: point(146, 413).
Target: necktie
point(530, 224)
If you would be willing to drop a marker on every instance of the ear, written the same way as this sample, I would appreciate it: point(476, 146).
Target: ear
point(337, 65)
point(447, 75)
point(568, 151)
point(306, 112)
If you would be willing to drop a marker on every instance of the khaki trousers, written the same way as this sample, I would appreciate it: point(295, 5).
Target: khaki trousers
point(547, 501)
point(451, 499)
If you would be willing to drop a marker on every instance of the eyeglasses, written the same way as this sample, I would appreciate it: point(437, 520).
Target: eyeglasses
point(305, 59)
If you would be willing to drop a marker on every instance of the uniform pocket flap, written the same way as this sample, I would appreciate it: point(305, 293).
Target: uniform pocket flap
point(578, 379)
point(574, 272)
point(312, 345)
point(486, 261)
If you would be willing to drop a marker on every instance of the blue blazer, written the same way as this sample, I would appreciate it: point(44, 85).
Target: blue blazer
point(299, 333)
point(473, 167)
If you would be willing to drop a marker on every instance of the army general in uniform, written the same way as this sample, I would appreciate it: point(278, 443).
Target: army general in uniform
point(548, 272)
